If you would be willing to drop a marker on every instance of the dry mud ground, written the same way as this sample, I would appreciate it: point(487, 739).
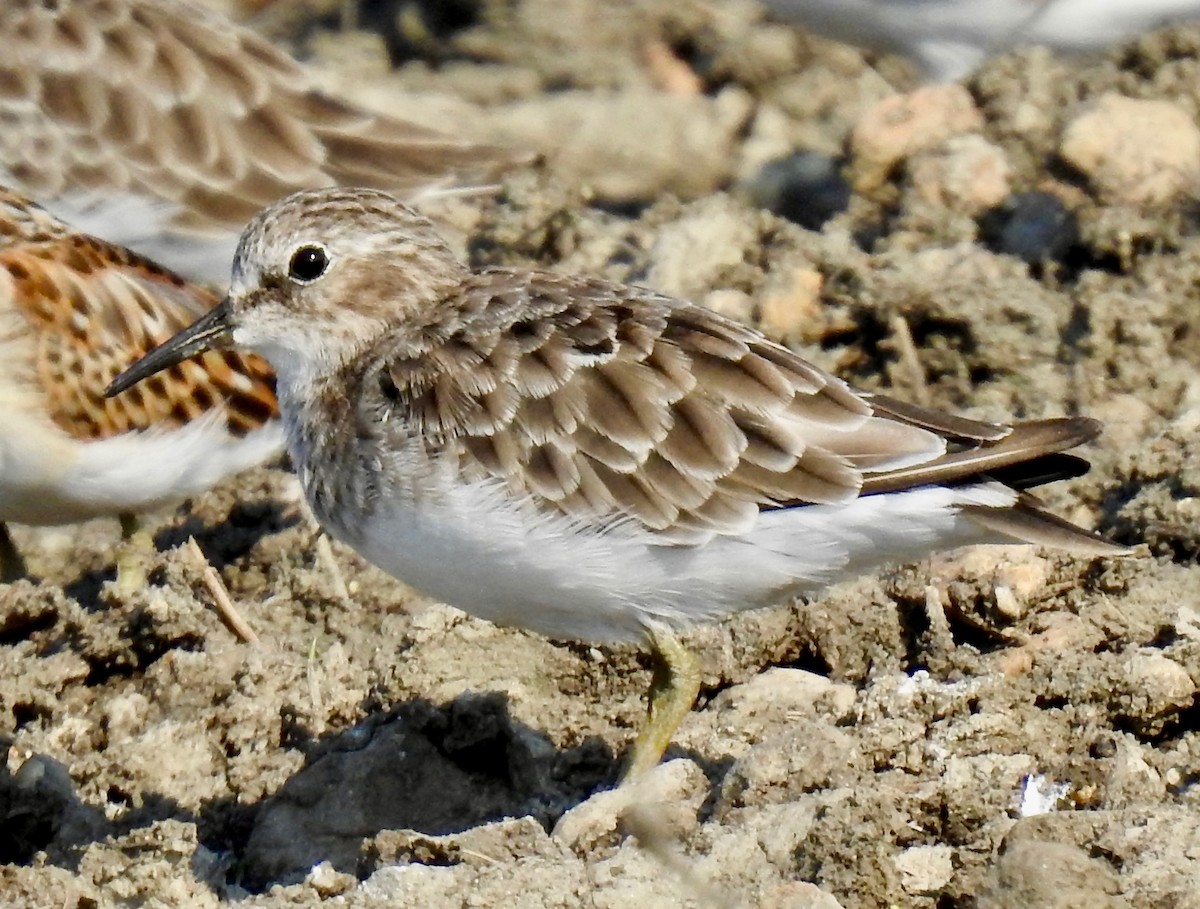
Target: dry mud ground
point(995, 728)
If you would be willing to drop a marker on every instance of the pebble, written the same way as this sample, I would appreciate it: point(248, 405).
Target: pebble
point(1047, 875)
point(1033, 226)
point(791, 305)
point(902, 125)
point(1158, 689)
point(1137, 151)
point(806, 187)
point(966, 174)
point(1131, 781)
point(327, 881)
point(773, 700)
point(674, 791)
point(810, 755)
point(925, 869)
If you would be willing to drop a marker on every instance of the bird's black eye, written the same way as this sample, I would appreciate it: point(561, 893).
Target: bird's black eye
point(308, 263)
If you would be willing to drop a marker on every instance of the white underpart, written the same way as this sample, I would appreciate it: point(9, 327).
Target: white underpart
point(949, 38)
point(146, 225)
point(46, 477)
point(477, 548)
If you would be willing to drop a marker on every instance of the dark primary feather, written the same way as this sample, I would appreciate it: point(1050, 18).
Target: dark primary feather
point(1022, 444)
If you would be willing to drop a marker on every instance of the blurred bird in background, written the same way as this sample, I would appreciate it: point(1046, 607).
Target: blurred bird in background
point(949, 38)
point(162, 126)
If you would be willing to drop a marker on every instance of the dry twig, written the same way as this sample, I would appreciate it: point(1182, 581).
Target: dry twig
point(902, 339)
point(221, 600)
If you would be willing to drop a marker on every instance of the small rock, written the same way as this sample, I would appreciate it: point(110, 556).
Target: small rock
point(1143, 152)
point(1157, 688)
point(675, 790)
point(773, 700)
point(925, 869)
point(328, 881)
point(780, 830)
point(799, 895)
point(1061, 632)
point(806, 187)
point(966, 174)
point(667, 71)
point(1007, 604)
point(1031, 874)
point(1035, 227)
point(1132, 781)
point(811, 755)
point(899, 126)
point(792, 303)
point(692, 253)
point(1022, 569)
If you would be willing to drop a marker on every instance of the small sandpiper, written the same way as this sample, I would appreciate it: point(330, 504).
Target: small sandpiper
point(591, 460)
point(75, 311)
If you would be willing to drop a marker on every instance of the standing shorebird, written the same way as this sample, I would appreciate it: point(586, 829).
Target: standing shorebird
point(592, 460)
point(74, 312)
point(161, 126)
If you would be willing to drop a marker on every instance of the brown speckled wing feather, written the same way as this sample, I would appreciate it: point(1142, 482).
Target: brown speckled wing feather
point(595, 401)
point(91, 308)
point(170, 100)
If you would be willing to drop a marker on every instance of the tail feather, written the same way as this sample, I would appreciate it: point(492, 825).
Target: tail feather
point(1028, 522)
point(1021, 457)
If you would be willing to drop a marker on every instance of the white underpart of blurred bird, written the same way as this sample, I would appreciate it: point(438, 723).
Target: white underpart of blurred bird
point(950, 38)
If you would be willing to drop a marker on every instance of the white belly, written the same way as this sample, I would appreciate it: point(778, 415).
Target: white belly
point(476, 548)
point(472, 549)
point(47, 477)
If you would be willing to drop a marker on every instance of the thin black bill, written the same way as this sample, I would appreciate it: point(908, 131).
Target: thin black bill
point(210, 331)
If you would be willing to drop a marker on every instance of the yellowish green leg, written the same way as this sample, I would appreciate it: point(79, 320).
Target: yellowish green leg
point(673, 690)
point(136, 547)
point(12, 566)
